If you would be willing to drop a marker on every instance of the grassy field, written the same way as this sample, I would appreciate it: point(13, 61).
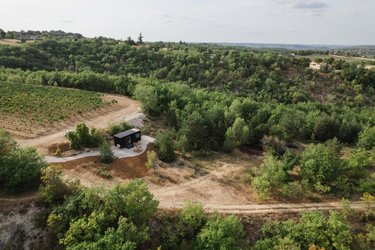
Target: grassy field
point(40, 105)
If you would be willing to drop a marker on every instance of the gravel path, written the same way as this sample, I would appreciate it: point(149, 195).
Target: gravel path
point(119, 153)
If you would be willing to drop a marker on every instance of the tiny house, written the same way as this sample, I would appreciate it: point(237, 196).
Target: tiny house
point(127, 138)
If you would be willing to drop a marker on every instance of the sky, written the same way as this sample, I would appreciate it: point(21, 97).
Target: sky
point(333, 22)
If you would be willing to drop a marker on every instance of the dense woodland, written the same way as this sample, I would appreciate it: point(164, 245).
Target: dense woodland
point(212, 98)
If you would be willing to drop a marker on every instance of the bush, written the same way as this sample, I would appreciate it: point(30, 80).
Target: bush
point(118, 128)
point(164, 146)
point(326, 128)
point(84, 137)
point(221, 233)
point(366, 138)
point(271, 176)
point(21, 169)
point(320, 166)
point(151, 156)
point(193, 217)
point(53, 189)
point(7, 144)
point(106, 153)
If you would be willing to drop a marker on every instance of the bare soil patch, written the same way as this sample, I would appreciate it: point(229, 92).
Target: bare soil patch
point(87, 170)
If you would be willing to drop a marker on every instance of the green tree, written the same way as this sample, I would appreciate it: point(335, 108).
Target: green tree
point(7, 144)
point(366, 138)
point(106, 153)
point(53, 189)
point(221, 233)
point(193, 217)
point(270, 177)
point(148, 96)
point(320, 166)
point(164, 146)
point(236, 135)
point(326, 128)
point(21, 169)
point(133, 201)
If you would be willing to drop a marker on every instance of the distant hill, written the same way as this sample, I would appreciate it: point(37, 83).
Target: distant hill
point(286, 46)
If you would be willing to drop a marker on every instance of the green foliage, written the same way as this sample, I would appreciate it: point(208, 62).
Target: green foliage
point(21, 169)
point(118, 128)
point(84, 137)
point(320, 166)
point(314, 228)
point(236, 135)
point(193, 217)
point(53, 189)
point(106, 153)
point(270, 178)
point(151, 157)
point(113, 219)
point(7, 143)
point(221, 233)
point(326, 128)
point(366, 138)
point(164, 146)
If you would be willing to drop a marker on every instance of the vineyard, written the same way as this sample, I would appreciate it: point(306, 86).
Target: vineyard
point(25, 108)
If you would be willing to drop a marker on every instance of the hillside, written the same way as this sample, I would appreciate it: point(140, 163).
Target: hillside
point(239, 130)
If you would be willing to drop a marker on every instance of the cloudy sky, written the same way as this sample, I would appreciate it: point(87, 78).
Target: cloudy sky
point(344, 22)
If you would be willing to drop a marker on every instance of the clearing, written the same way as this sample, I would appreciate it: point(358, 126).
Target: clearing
point(123, 109)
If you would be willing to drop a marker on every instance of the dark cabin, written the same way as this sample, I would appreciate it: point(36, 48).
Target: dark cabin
point(127, 138)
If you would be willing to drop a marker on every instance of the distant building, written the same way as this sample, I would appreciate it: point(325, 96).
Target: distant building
point(127, 138)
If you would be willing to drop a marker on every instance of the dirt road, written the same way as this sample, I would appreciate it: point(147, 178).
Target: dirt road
point(229, 208)
point(128, 110)
point(267, 208)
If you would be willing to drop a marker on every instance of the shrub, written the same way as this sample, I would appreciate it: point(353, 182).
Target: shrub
point(21, 169)
point(221, 233)
point(271, 176)
point(320, 166)
point(53, 189)
point(151, 156)
point(106, 153)
point(118, 128)
point(326, 128)
point(193, 217)
point(366, 138)
point(164, 146)
point(7, 144)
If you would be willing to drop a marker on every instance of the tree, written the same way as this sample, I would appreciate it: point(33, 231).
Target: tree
point(148, 96)
point(366, 138)
point(195, 129)
point(2, 34)
point(7, 144)
point(21, 169)
point(326, 128)
point(133, 201)
point(53, 189)
point(236, 135)
point(164, 146)
point(320, 166)
point(106, 153)
point(193, 217)
point(221, 233)
point(140, 38)
point(271, 176)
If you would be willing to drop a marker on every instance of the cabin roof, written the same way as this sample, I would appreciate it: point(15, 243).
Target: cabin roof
point(127, 133)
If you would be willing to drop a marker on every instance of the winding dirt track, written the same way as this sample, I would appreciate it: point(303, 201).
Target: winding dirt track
point(268, 208)
point(230, 209)
point(129, 109)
